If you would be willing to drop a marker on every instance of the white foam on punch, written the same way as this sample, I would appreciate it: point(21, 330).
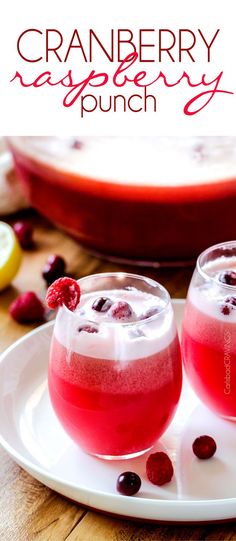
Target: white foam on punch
point(154, 161)
point(209, 297)
point(115, 341)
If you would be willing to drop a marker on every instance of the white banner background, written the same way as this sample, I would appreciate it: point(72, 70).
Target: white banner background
point(40, 111)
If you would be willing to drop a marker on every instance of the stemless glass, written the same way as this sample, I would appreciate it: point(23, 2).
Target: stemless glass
point(209, 329)
point(115, 384)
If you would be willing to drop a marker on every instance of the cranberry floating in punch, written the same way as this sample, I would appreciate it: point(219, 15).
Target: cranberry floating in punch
point(144, 199)
point(114, 376)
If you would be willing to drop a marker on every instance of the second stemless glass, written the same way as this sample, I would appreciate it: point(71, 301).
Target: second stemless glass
point(115, 385)
point(209, 329)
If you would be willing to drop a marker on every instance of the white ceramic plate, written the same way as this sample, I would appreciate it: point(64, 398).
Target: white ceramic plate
point(31, 434)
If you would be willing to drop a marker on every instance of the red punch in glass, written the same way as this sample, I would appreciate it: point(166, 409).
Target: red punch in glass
point(115, 368)
point(209, 329)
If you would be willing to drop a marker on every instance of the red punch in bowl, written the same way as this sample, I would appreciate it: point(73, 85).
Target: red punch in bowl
point(143, 199)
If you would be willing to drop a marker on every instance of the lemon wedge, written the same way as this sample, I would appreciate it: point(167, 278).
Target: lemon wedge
point(10, 255)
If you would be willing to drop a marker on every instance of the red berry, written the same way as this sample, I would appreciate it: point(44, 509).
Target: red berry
point(226, 309)
point(228, 305)
point(204, 447)
point(88, 328)
point(128, 483)
point(102, 304)
point(159, 468)
point(231, 300)
point(53, 269)
point(121, 310)
point(24, 232)
point(228, 277)
point(27, 308)
point(63, 291)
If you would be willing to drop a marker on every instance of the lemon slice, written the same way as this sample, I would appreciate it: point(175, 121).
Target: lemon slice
point(10, 255)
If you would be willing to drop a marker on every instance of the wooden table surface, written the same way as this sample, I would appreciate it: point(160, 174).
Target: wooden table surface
point(29, 510)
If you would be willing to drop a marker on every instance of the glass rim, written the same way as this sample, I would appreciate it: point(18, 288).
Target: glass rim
point(128, 275)
point(204, 274)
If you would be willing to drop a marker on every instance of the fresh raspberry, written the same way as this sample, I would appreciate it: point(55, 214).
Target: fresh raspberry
point(204, 447)
point(121, 310)
point(24, 232)
point(63, 291)
point(27, 308)
point(159, 468)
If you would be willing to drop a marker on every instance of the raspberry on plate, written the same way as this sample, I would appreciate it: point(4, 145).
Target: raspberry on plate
point(63, 291)
point(27, 308)
point(159, 468)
